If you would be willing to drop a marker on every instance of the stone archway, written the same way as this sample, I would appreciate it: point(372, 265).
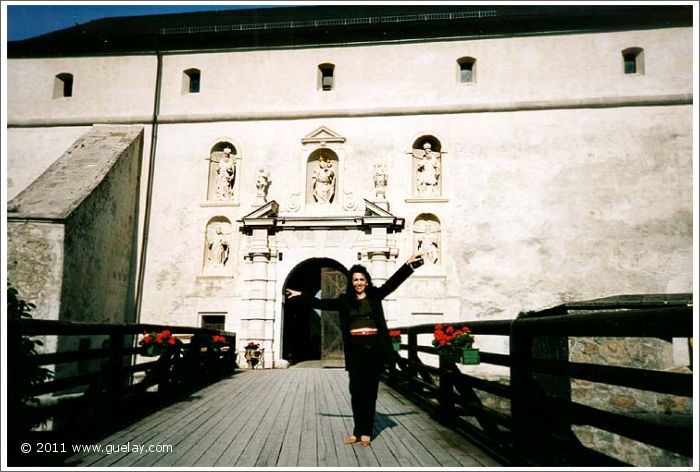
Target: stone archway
point(309, 334)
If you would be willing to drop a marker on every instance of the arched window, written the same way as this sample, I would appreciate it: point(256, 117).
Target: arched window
point(223, 170)
point(63, 85)
point(427, 167)
point(191, 81)
point(426, 238)
point(217, 245)
point(326, 81)
point(633, 60)
point(467, 70)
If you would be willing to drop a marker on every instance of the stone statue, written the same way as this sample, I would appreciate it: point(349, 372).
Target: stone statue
point(427, 171)
point(218, 245)
point(262, 183)
point(380, 181)
point(324, 181)
point(428, 241)
point(225, 176)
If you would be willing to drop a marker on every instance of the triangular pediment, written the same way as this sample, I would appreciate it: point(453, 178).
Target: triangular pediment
point(322, 135)
point(268, 210)
point(374, 210)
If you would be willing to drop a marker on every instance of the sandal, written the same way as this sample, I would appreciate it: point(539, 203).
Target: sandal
point(351, 440)
point(365, 440)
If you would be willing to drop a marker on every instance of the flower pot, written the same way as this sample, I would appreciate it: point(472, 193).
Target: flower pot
point(451, 355)
point(396, 345)
point(470, 356)
point(154, 350)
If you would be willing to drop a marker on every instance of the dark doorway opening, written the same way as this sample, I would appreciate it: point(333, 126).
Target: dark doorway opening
point(309, 334)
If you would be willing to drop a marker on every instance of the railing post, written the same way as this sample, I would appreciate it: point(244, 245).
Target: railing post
point(446, 390)
point(521, 384)
point(411, 369)
point(115, 382)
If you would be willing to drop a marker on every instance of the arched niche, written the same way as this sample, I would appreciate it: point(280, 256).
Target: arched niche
point(322, 169)
point(427, 167)
point(218, 239)
point(223, 173)
point(427, 238)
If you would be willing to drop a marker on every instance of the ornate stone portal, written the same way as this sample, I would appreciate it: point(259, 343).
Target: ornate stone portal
point(366, 235)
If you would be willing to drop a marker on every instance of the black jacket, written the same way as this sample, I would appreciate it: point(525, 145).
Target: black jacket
point(344, 303)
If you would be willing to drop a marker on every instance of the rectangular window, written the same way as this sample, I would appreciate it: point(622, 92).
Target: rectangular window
point(194, 83)
point(68, 87)
point(630, 64)
point(466, 73)
point(214, 321)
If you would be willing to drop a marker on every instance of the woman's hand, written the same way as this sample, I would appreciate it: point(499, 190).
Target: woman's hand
point(292, 293)
point(415, 261)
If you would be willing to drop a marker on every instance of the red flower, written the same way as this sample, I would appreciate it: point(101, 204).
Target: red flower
point(395, 333)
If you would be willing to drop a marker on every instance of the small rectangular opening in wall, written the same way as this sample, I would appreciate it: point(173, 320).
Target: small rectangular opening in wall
point(213, 321)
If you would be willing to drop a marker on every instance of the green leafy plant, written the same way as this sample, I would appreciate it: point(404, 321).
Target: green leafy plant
point(449, 340)
point(23, 373)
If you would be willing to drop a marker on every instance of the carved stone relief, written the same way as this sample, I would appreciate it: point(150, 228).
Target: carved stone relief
point(262, 184)
point(426, 236)
point(222, 173)
point(218, 244)
point(379, 179)
point(323, 177)
point(427, 170)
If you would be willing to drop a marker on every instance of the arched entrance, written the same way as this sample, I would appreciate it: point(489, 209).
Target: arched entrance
point(309, 334)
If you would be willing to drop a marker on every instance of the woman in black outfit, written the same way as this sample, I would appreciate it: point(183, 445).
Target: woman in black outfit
point(365, 337)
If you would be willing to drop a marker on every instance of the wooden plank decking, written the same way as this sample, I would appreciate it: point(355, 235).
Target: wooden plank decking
point(284, 418)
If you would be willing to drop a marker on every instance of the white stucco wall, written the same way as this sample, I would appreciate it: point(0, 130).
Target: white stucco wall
point(548, 200)
point(542, 207)
point(119, 87)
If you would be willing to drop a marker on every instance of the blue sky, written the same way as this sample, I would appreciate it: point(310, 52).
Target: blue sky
point(32, 19)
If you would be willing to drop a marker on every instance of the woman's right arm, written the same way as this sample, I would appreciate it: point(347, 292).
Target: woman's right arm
point(327, 304)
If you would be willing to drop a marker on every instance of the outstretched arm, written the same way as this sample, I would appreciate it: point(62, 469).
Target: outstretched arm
point(399, 276)
point(327, 304)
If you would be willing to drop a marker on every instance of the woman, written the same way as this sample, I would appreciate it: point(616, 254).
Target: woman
point(366, 338)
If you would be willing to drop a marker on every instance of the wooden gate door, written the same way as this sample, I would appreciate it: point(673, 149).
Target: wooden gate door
point(333, 283)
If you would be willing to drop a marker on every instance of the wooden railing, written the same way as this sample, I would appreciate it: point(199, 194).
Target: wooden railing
point(96, 387)
point(536, 428)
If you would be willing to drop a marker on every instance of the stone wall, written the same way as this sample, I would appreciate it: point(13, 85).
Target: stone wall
point(71, 233)
point(652, 354)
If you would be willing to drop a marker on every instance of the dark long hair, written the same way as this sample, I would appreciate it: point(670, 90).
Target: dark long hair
point(350, 290)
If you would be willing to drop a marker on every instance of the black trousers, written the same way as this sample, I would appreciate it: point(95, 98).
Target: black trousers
point(364, 369)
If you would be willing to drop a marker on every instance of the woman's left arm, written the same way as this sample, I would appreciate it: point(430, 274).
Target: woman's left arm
point(399, 276)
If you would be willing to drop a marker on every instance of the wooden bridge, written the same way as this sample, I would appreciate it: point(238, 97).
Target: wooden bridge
point(192, 406)
point(295, 417)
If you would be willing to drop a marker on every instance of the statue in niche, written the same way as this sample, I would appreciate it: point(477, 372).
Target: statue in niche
point(324, 181)
point(380, 180)
point(262, 183)
point(218, 246)
point(428, 241)
point(225, 176)
point(427, 171)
